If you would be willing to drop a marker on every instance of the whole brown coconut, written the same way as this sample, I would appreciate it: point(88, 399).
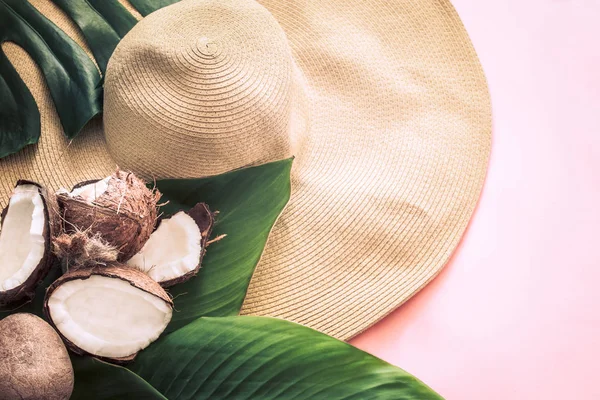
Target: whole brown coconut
point(34, 363)
point(120, 209)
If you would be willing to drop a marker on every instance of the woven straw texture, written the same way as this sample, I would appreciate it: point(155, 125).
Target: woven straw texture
point(383, 103)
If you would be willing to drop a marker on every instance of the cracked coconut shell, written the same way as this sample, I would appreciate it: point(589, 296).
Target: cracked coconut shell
point(29, 223)
point(120, 209)
point(174, 252)
point(110, 312)
point(34, 363)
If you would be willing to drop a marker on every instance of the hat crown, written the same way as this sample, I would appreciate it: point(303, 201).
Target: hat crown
point(199, 88)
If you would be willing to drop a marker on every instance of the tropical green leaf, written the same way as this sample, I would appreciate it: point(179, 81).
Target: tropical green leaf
point(103, 23)
point(72, 77)
point(267, 358)
point(98, 380)
point(249, 201)
point(145, 7)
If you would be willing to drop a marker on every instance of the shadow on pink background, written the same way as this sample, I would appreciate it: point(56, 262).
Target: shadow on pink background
point(516, 313)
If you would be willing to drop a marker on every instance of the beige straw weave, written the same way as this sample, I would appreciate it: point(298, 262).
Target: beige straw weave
point(383, 103)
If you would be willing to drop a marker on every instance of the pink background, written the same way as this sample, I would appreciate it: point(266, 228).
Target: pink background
point(516, 313)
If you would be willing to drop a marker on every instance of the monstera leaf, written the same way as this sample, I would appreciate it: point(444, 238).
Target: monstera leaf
point(72, 77)
point(103, 23)
point(145, 7)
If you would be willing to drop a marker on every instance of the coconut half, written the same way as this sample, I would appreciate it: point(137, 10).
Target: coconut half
point(120, 209)
point(25, 242)
point(110, 312)
point(174, 252)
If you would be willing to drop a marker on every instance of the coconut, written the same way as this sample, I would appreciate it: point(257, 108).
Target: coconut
point(110, 312)
point(27, 227)
point(174, 252)
point(120, 209)
point(34, 363)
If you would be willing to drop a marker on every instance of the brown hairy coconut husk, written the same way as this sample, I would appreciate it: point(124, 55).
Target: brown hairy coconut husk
point(110, 312)
point(120, 208)
point(28, 224)
point(174, 252)
point(80, 250)
point(34, 363)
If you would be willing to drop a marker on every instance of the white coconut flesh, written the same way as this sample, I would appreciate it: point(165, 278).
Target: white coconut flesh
point(22, 241)
point(108, 317)
point(90, 192)
point(173, 250)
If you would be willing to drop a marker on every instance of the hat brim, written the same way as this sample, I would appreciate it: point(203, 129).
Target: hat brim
point(385, 180)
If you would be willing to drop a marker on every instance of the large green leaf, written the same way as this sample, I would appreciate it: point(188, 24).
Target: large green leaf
point(145, 7)
point(74, 82)
point(103, 23)
point(72, 77)
point(98, 380)
point(267, 358)
point(249, 201)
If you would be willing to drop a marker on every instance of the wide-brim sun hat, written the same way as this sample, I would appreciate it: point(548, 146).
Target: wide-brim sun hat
point(383, 104)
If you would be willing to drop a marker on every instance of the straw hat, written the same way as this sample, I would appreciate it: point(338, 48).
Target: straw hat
point(383, 103)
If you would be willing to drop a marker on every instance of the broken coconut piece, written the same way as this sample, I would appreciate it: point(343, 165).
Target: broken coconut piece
point(110, 312)
point(173, 254)
point(119, 208)
point(26, 230)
